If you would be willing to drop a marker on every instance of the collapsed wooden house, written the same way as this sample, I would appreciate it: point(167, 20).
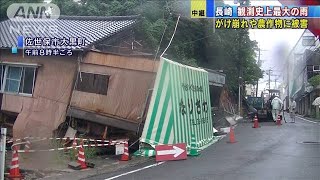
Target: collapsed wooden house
point(41, 93)
point(103, 87)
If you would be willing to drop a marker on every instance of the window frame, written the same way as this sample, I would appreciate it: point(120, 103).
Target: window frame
point(308, 40)
point(7, 78)
point(23, 66)
point(2, 75)
point(94, 73)
point(318, 68)
point(33, 81)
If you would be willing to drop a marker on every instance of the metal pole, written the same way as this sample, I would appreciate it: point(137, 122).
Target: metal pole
point(288, 101)
point(239, 100)
point(240, 73)
point(258, 79)
point(3, 152)
point(269, 78)
point(239, 107)
point(259, 64)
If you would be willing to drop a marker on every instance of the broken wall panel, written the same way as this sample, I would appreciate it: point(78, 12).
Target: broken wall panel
point(127, 90)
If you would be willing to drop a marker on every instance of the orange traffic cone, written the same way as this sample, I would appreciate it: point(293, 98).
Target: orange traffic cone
point(279, 121)
point(82, 157)
point(125, 155)
point(232, 138)
point(255, 122)
point(14, 169)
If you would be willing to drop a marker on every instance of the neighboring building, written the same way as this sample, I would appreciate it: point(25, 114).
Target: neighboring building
point(217, 81)
point(250, 90)
point(282, 89)
point(301, 65)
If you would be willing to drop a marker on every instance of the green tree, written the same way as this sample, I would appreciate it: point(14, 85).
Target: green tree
point(194, 43)
point(315, 80)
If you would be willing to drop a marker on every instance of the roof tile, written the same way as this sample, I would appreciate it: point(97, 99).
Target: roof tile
point(92, 28)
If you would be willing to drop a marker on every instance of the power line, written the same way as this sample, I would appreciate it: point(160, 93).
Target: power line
point(174, 32)
point(164, 31)
point(176, 13)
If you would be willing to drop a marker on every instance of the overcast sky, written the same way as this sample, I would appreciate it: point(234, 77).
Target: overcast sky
point(275, 45)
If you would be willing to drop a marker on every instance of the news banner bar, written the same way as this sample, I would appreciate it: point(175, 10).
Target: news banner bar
point(210, 9)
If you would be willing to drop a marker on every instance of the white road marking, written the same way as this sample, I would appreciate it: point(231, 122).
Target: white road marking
point(306, 120)
point(137, 170)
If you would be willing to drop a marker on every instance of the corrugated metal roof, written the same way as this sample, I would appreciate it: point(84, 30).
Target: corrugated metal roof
point(92, 28)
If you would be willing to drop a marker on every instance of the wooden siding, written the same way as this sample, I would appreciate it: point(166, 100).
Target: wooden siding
point(127, 91)
point(124, 62)
point(42, 113)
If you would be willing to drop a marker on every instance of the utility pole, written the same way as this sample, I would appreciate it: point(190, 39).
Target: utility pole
point(240, 72)
point(269, 81)
point(240, 76)
point(240, 84)
point(259, 64)
point(288, 95)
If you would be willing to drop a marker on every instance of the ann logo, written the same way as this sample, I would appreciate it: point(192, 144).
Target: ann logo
point(20, 11)
point(32, 13)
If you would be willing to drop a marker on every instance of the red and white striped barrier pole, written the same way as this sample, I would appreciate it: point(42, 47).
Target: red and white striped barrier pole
point(74, 146)
point(27, 146)
point(67, 148)
point(74, 143)
point(46, 138)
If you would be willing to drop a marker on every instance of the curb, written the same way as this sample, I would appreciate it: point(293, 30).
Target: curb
point(308, 120)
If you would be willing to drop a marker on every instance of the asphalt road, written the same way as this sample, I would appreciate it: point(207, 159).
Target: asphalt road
point(266, 153)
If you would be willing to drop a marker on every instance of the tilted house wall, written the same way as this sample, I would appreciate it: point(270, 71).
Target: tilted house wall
point(123, 97)
point(43, 107)
point(40, 112)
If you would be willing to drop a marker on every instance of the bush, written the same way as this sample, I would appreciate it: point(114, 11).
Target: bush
point(71, 154)
point(89, 153)
point(315, 80)
point(313, 114)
